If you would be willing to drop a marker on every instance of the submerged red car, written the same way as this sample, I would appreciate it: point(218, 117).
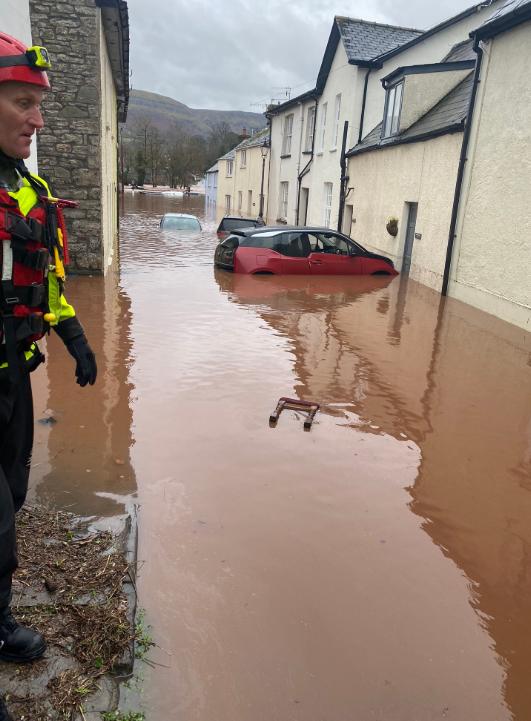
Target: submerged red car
point(298, 251)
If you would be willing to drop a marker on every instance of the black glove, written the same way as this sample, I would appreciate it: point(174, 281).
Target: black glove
point(86, 368)
point(70, 331)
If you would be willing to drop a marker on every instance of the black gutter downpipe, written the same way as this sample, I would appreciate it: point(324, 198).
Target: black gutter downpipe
point(363, 102)
point(461, 169)
point(307, 166)
point(344, 179)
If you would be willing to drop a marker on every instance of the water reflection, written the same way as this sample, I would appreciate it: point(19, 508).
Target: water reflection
point(456, 383)
point(82, 458)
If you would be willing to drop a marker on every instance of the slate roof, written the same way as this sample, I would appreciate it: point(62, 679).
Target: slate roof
point(512, 13)
point(256, 139)
point(365, 40)
point(461, 51)
point(228, 156)
point(446, 117)
point(433, 30)
point(213, 169)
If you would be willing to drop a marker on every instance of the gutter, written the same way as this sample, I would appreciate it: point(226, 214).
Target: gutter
point(517, 16)
point(461, 169)
point(306, 168)
point(448, 130)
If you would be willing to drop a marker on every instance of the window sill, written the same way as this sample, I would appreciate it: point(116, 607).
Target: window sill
point(306, 152)
point(333, 150)
point(285, 156)
point(243, 167)
point(282, 220)
point(319, 153)
point(228, 176)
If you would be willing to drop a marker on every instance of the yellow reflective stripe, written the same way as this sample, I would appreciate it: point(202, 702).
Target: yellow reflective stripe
point(28, 354)
point(57, 302)
point(26, 196)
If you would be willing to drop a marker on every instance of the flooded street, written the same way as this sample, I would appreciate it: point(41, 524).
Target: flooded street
point(375, 568)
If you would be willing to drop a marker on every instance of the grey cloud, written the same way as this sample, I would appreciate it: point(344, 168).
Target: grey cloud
point(228, 54)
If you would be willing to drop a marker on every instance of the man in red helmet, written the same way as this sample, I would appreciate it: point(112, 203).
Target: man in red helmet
point(32, 251)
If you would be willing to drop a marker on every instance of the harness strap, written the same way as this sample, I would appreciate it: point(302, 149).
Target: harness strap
point(35, 259)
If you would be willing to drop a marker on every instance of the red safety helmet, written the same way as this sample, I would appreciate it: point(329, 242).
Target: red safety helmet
point(18, 62)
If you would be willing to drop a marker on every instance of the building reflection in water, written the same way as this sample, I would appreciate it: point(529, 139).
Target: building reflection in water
point(82, 456)
point(395, 359)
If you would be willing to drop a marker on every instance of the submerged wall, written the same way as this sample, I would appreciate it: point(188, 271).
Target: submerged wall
point(386, 181)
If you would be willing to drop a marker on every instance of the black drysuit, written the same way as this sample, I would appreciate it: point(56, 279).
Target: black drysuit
point(16, 443)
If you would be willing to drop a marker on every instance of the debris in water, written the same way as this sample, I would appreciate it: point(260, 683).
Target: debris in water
point(296, 405)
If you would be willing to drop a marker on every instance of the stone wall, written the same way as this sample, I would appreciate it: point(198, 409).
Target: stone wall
point(69, 144)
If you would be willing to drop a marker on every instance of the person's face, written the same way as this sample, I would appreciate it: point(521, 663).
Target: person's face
point(20, 117)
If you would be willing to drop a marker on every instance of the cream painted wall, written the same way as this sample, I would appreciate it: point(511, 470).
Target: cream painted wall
point(109, 150)
point(423, 91)
point(250, 179)
point(492, 256)
point(226, 185)
point(342, 80)
point(386, 181)
point(431, 50)
point(15, 21)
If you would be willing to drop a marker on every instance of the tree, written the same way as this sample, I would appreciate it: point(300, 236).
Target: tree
point(140, 166)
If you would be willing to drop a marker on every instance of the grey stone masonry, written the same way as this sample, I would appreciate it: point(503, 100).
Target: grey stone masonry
point(69, 144)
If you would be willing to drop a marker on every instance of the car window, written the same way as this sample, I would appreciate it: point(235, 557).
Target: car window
point(331, 243)
point(174, 223)
point(297, 244)
point(271, 241)
point(233, 223)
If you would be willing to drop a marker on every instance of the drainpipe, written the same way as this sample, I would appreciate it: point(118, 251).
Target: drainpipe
point(308, 164)
point(363, 102)
point(344, 179)
point(461, 169)
point(298, 163)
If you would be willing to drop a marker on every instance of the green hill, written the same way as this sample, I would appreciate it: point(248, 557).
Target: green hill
point(166, 111)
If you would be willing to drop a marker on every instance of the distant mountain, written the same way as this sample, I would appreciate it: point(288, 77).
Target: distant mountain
point(166, 111)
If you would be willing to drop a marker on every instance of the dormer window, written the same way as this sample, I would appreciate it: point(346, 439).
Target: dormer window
point(393, 106)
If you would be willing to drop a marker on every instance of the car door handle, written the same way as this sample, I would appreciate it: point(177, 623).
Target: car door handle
point(315, 262)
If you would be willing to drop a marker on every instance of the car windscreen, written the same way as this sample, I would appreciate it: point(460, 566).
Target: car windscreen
point(175, 223)
point(233, 223)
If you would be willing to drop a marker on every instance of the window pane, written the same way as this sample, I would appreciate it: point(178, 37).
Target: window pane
point(296, 245)
point(323, 126)
point(272, 242)
point(396, 110)
point(389, 114)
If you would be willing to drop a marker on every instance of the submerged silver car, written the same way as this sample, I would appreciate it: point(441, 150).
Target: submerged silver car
point(180, 221)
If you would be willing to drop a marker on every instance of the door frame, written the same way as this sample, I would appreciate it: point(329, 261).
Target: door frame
point(409, 237)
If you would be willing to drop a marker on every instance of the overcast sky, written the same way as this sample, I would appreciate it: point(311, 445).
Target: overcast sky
point(229, 54)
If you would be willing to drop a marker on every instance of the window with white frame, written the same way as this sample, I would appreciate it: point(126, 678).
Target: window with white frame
point(393, 106)
point(310, 128)
point(288, 133)
point(215, 180)
point(227, 202)
point(209, 180)
point(229, 168)
point(240, 199)
point(337, 113)
point(323, 127)
point(244, 158)
point(327, 204)
point(284, 190)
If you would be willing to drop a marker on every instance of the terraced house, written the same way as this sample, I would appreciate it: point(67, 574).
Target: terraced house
point(307, 131)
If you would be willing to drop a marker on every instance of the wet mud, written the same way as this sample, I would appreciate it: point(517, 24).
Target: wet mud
point(376, 567)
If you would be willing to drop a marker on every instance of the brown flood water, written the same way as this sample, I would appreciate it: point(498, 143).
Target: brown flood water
point(377, 568)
